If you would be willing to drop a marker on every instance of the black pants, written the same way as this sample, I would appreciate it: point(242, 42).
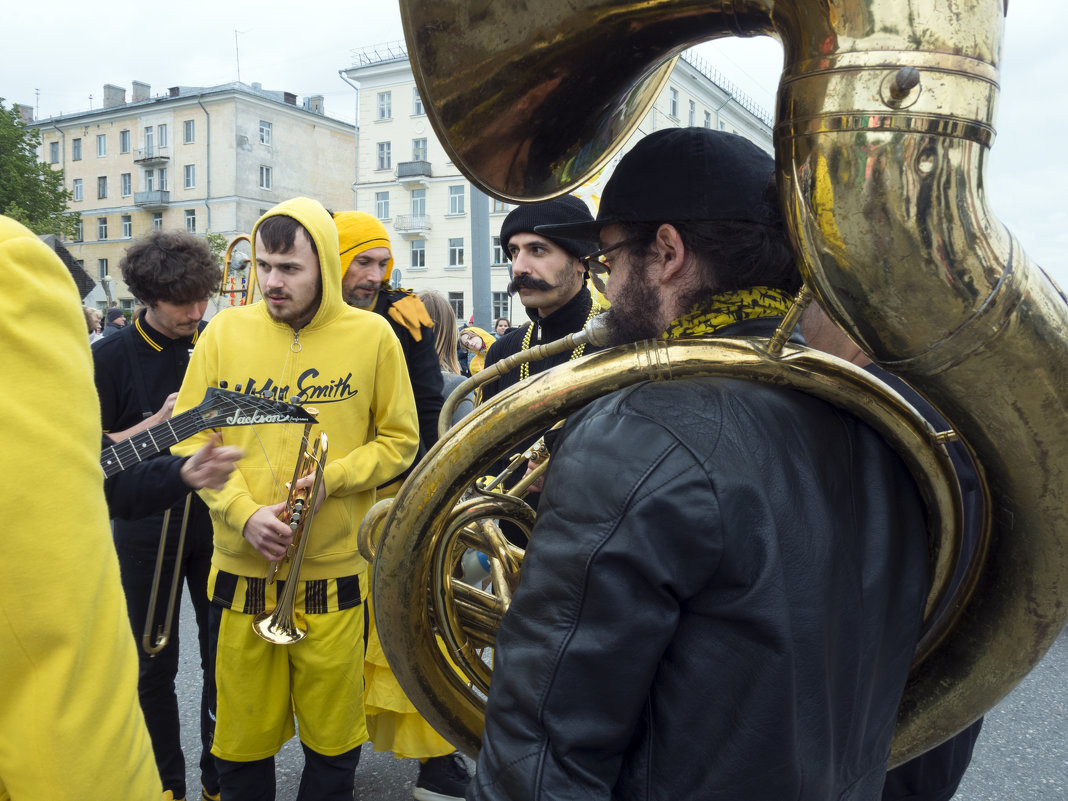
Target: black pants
point(137, 544)
point(324, 778)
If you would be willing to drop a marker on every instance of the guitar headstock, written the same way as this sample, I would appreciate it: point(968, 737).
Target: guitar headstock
point(223, 407)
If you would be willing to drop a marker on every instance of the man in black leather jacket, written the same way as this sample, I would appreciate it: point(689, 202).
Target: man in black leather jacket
point(726, 579)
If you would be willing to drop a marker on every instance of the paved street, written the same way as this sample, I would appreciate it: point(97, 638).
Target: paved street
point(1021, 755)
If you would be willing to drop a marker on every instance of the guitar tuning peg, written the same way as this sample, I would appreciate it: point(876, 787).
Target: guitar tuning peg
point(222, 385)
point(237, 388)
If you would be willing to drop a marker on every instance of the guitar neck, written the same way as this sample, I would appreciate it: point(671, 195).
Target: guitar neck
point(148, 443)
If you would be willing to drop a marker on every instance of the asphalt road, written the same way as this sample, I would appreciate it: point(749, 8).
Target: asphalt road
point(1021, 754)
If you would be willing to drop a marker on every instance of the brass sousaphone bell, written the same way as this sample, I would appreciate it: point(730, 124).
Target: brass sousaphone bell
point(885, 115)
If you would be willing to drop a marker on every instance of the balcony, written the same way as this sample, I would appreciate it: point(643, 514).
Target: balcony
point(413, 173)
point(412, 226)
point(152, 201)
point(152, 155)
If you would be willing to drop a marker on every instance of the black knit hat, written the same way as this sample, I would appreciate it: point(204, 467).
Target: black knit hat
point(683, 175)
point(561, 210)
point(114, 313)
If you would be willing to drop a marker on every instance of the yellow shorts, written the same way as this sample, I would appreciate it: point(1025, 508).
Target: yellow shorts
point(262, 686)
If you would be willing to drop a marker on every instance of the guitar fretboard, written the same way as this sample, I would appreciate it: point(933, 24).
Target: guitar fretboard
point(148, 443)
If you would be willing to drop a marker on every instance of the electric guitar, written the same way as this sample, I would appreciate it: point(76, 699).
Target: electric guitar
point(220, 408)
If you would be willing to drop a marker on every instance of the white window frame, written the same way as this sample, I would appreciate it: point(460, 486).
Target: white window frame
point(418, 254)
point(162, 174)
point(161, 135)
point(382, 205)
point(417, 103)
point(418, 203)
point(456, 199)
point(189, 132)
point(266, 132)
point(708, 119)
point(101, 187)
point(76, 149)
point(76, 190)
point(419, 150)
point(125, 184)
point(150, 180)
point(101, 269)
point(456, 300)
point(384, 156)
point(266, 177)
point(191, 220)
point(124, 141)
point(693, 114)
point(157, 221)
point(53, 152)
point(101, 228)
point(127, 226)
point(498, 253)
point(101, 145)
point(673, 102)
point(190, 176)
point(456, 251)
point(385, 106)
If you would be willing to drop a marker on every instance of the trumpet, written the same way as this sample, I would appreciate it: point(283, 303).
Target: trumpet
point(278, 625)
point(151, 643)
point(239, 273)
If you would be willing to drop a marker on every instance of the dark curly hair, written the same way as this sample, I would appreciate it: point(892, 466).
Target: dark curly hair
point(172, 266)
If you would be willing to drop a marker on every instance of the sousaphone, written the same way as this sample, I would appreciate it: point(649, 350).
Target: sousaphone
point(885, 116)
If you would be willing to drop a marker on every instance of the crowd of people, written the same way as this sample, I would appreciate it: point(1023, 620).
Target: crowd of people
point(720, 598)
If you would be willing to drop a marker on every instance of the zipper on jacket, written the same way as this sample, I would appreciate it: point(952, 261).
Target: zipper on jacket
point(295, 346)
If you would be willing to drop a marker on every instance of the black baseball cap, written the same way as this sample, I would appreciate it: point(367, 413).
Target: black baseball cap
point(682, 175)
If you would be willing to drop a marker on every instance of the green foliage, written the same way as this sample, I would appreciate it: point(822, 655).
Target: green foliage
point(217, 243)
point(30, 190)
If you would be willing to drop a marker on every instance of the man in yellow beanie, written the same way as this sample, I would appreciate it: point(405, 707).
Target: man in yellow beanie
point(392, 721)
point(367, 262)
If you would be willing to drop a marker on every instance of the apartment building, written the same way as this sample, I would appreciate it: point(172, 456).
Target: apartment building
point(199, 159)
point(405, 178)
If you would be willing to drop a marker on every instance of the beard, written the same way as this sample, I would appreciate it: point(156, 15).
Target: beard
point(359, 301)
point(634, 314)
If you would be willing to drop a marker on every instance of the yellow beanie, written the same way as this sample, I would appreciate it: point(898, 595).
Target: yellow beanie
point(358, 231)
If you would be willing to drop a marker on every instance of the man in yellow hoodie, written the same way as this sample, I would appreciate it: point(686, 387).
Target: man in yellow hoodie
point(300, 340)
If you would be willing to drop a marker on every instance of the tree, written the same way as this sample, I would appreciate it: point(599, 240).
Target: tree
point(31, 191)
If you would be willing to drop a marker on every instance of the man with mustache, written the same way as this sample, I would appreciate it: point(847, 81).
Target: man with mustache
point(727, 578)
point(138, 371)
point(550, 279)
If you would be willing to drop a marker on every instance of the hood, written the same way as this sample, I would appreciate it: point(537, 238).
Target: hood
point(486, 337)
point(319, 225)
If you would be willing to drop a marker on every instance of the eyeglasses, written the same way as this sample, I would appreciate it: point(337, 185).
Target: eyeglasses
point(597, 262)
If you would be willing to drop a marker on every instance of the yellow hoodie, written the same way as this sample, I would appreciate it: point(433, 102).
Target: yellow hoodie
point(70, 721)
point(350, 365)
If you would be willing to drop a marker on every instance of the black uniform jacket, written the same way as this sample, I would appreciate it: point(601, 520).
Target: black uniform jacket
point(720, 600)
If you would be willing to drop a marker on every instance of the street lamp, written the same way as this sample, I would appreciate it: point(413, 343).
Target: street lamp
point(106, 280)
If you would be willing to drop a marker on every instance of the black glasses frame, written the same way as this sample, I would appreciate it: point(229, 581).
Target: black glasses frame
point(598, 264)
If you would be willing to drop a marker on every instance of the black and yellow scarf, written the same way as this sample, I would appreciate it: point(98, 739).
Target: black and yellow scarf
point(730, 307)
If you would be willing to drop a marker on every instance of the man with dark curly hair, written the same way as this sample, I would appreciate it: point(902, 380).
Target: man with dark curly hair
point(138, 372)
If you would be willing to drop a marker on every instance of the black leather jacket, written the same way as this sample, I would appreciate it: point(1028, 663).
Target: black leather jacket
point(720, 601)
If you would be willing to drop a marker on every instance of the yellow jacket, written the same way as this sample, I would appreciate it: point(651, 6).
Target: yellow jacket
point(350, 365)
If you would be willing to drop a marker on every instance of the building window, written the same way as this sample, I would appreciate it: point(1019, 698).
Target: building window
point(126, 184)
point(101, 227)
point(101, 269)
point(419, 150)
point(79, 231)
point(499, 206)
point(419, 254)
point(456, 200)
point(161, 132)
point(673, 102)
point(150, 141)
point(498, 254)
point(76, 149)
point(127, 226)
point(693, 114)
point(417, 103)
point(157, 221)
point(124, 141)
point(456, 300)
point(190, 176)
point(53, 152)
point(722, 125)
point(102, 187)
point(500, 304)
point(77, 188)
point(162, 179)
point(150, 180)
point(191, 220)
point(265, 177)
point(385, 105)
point(382, 205)
point(188, 132)
point(385, 160)
point(101, 145)
point(265, 133)
point(708, 119)
point(418, 202)
point(456, 252)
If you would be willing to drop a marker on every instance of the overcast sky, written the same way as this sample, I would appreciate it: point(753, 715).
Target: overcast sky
point(55, 61)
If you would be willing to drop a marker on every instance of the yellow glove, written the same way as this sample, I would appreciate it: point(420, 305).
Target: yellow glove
point(410, 312)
